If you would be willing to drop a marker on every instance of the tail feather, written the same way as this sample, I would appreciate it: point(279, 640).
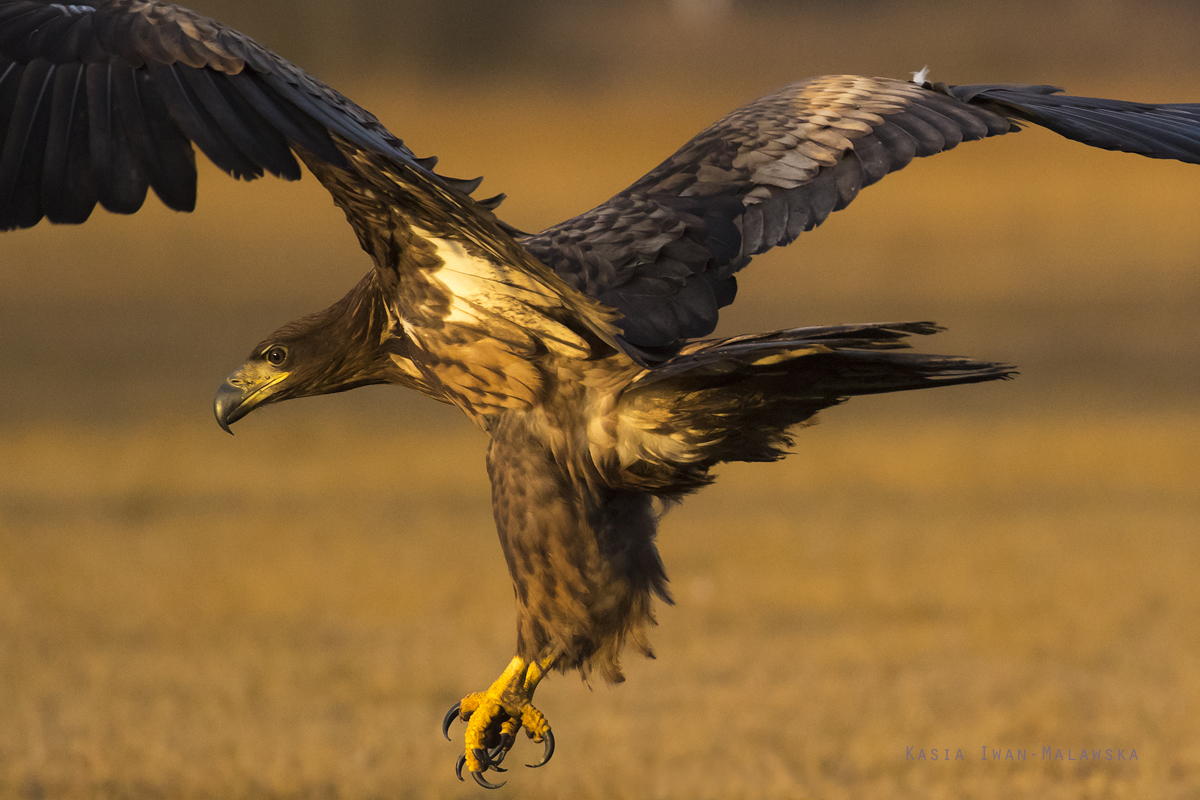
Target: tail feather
point(860, 372)
point(735, 399)
point(859, 359)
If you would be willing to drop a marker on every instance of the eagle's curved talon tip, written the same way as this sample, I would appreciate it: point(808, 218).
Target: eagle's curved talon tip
point(482, 781)
point(462, 760)
point(494, 758)
point(546, 756)
point(496, 754)
point(488, 759)
point(451, 715)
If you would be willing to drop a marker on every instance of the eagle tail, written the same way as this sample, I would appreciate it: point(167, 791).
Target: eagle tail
point(828, 362)
point(735, 399)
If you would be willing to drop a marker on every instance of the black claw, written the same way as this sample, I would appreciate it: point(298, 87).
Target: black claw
point(496, 754)
point(485, 758)
point(549, 751)
point(451, 715)
point(462, 759)
point(482, 781)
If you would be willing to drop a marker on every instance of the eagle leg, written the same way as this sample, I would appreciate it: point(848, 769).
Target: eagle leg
point(495, 716)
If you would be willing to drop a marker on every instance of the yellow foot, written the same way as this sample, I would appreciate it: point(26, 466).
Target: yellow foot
point(494, 717)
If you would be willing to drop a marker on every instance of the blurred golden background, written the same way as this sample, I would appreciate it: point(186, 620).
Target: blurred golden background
point(289, 612)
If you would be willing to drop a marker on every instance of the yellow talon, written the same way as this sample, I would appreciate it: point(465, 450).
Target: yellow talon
point(495, 716)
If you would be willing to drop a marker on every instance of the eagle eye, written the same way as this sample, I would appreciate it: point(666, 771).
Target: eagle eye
point(276, 355)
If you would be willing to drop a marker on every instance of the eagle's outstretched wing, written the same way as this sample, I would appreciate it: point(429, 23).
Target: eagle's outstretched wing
point(664, 251)
point(102, 99)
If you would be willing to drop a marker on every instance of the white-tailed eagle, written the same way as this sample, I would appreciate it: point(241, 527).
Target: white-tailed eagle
point(580, 350)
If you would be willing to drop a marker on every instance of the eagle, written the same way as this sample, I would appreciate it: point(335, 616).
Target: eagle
point(583, 351)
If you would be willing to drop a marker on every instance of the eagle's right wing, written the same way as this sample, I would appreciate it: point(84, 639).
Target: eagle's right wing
point(664, 251)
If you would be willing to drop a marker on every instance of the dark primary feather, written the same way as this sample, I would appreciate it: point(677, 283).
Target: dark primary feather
point(1167, 130)
point(99, 101)
point(68, 188)
point(665, 250)
point(21, 158)
point(118, 174)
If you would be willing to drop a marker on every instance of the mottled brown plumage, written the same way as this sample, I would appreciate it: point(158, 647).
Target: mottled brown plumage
point(576, 348)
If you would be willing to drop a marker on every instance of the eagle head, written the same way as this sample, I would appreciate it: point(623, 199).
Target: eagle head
point(349, 344)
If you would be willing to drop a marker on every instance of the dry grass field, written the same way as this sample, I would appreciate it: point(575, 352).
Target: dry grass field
point(189, 616)
point(288, 613)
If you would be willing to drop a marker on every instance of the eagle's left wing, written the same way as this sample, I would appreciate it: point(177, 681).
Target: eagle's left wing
point(100, 100)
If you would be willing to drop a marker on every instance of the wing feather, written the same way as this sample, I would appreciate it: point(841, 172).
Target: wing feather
point(874, 158)
point(779, 166)
point(775, 213)
point(20, 185)
point(756, 179)
point(849, 177)
point(949, 133)
point(161, 151)
point(68, 191)
point(196, 122)
point(120, 181)
point(900, 145)
point(295, 127)
point(243, 124)
point(928, 137)
point(158, 79)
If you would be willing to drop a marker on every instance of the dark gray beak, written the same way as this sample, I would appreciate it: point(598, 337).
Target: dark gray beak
point(229, 405)
point(245, 390)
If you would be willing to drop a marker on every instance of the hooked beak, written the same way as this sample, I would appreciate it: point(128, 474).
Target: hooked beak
point(242, 392)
